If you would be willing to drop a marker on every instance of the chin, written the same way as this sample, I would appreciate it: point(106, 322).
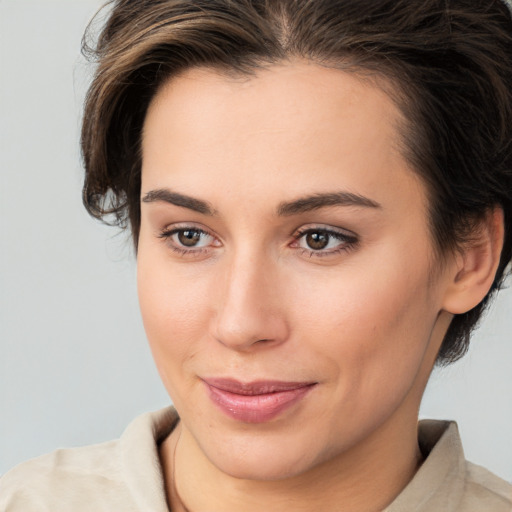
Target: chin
point(261, 459)
point(261, 469)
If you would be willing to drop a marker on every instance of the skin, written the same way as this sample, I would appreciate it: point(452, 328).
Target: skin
point(363, 318)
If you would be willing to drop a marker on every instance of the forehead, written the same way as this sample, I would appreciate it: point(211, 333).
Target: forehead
point(297, 94)
point(296, 123)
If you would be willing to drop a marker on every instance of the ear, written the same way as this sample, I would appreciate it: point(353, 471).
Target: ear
point(475, 265)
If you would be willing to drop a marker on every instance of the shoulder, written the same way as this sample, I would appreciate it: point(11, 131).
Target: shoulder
point(62, 479)
point(485, 491)
point(122, 475)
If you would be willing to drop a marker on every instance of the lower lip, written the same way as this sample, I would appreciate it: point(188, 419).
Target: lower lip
point(256, 408)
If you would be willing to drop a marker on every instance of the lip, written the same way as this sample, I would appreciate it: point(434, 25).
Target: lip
point(257, 401)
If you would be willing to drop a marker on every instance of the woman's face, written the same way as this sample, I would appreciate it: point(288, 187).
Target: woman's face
point(285, 266)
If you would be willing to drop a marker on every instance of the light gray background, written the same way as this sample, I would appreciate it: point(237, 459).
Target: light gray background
point(74, 364)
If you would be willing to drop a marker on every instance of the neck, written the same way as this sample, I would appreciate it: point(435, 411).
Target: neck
point(365, 479)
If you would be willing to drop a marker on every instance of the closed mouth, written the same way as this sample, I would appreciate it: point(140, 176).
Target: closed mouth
point(256, 401)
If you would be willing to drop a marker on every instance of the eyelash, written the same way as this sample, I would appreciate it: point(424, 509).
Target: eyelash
point(167, 235)
point(347, 241)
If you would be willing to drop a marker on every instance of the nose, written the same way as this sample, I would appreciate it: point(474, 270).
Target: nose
point(249, 312)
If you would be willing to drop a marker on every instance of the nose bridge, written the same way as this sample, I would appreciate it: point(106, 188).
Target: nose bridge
point(248, 311)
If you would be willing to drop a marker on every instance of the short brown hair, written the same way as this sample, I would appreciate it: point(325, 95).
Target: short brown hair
point(450, 59)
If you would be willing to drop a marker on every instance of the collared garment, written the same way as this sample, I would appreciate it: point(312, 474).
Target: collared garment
point(125, 475)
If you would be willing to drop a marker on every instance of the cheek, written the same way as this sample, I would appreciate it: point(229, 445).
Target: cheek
point(370, 321)
point(174, 310)
point(368, 335)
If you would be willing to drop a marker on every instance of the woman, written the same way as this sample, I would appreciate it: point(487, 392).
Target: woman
point(320, 195)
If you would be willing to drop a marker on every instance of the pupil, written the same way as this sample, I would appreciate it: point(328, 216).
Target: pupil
point(317, 240)
point(189, 238)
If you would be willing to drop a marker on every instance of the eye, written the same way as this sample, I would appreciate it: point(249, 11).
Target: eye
point(323, 242)
point(188, 239)
point(191, 237)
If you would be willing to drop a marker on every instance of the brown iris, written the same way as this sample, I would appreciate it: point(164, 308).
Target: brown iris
point(189, 237)
point(317, 240)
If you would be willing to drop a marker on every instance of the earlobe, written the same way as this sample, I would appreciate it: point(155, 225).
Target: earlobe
point(476, 265)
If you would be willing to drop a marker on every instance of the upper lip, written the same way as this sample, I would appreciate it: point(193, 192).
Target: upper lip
point(257, 387)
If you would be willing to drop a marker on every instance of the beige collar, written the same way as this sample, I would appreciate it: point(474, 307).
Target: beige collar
point(439, 483)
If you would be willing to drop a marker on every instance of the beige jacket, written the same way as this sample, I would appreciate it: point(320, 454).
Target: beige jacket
point(125, 476)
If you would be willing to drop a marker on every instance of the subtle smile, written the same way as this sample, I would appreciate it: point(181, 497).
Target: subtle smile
point(255, 402)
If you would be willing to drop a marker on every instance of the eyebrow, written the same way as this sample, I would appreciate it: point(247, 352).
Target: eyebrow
point(168, 196)
point(298, 206)
point(317, 201)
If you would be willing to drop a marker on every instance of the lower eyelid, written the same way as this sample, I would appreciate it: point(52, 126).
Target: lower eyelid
point(324, 254)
